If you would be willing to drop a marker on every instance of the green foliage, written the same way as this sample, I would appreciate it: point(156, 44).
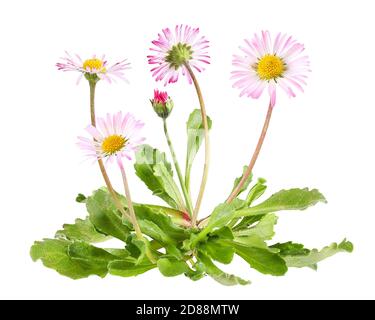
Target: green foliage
point(171, 267)
point(262, 260)
point(233, 229)
point(137, 249)
point(90, 257)
point(161, 218)
point(73, 260)
point(81, 230)
point(246, 222)
point(156, 172)
point(223, 213)
point(292, 199)
point(218, 250)
point(291, 249)
point(128, 269)
point(314, 256)
point(220, 276)
point(195, 134)
point(247, 181)
point(81, 198)
point(264, 229)
point(105, 217)
point(256, 191)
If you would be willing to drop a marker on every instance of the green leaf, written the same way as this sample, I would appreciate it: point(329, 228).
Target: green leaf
point(153, 221)
point(119, 253)
point(170, 231)
point(198, 272)
point(292, 199)
point(153, 230)
point(256, 191)
point(105, 217)
point(261, 259)
point(173, 251)
point(221, 215)
point(81, 230)
point(264, 229)
point(137, 249)
point(220, 276)
point(109, 221)
point(169, 185)
point(222, 233)
point(218, 250)
point(160, 227)
point(54, 254)
point(90, 257)
point(195, 133)
point(247, 222)
point(315, 256)
point(255, 242)
point(170, 267)
point(156, 172)
point(81, 198)
point(128, 269)
point(246, 184)
point(291, 249)
point(178, 217)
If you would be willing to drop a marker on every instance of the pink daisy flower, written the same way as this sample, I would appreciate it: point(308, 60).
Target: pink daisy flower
point(270, 63)
point(115, 136)
point(175, 49)
point(93, 68)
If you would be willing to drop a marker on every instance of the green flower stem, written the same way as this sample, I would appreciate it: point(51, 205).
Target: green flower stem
point(254, 158)
point(92, 102)
point(100, 161)
point(206, 144)
point(178, 169)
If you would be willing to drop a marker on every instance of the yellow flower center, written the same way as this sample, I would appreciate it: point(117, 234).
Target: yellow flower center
point(113, 144)
point(94, 63)
point(270, 67)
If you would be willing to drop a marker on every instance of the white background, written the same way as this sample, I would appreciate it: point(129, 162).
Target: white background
point(323, 138)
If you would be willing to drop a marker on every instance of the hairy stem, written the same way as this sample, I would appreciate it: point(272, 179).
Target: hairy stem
point(178, 169)
point(254, 158)
point(206, 145)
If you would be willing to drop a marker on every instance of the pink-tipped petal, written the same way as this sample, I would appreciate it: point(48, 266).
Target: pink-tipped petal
point(245, 74)
point(126, 127)
point(182, 34)
point(272, 93)
point(105, 72)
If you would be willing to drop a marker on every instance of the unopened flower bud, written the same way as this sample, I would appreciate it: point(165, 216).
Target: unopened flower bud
point(162, 104)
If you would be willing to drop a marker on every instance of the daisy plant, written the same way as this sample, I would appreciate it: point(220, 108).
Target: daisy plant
point(171, 237)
